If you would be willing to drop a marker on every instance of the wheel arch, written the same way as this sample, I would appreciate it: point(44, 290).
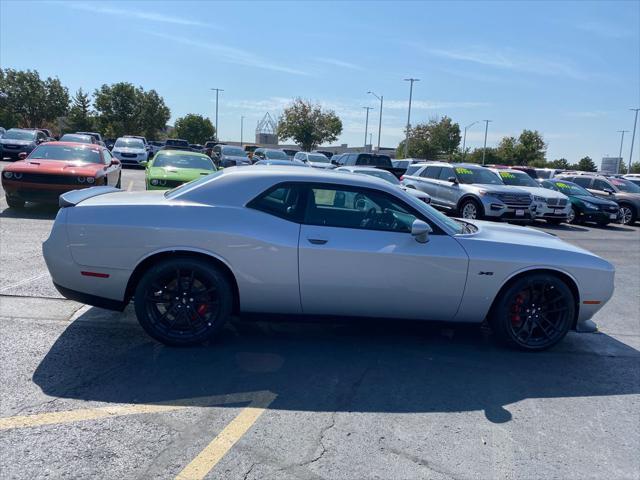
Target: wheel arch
point(562, 275)
point(153, 258)
point(470, 196)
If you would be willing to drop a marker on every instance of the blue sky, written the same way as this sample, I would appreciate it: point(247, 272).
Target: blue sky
point(568, 69)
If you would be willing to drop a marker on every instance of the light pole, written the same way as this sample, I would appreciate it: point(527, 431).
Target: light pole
point(366, 127)
point(406, 142)
point(241, 128)
point(217, 90)
point(486, 128)
point(633, 137)
point(621, 142)
point(464, 139)
point(379, 118)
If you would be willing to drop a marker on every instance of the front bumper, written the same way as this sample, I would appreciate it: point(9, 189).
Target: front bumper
point(597, 216)
point(38, 192)
point(131, 161)
point(544, 210)
point(494, 208)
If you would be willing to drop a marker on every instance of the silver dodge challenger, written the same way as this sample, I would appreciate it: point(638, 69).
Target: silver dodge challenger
point(300, 241)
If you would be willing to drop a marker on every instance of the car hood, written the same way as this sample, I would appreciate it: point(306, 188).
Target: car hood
point(54, 167)
point(324, 165)
point(128, 150)
point(169, 173)
point(543, 192)
point(497, 188)
point(595, 200)
point(9, 141)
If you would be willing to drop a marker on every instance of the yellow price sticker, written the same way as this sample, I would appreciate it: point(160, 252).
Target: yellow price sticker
point(463, 171)
point(507, 175)
point(562, 185)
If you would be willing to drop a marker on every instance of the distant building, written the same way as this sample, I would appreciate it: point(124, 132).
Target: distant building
point(267, 131)
point(610, 164)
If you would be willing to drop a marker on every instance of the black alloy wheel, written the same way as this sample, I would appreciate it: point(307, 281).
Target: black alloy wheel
point(534, 313)
point(183, 302)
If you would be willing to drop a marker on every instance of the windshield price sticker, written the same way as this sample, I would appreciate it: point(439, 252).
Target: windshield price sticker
point(507, 175)
point(463, 171)
point(562, 185)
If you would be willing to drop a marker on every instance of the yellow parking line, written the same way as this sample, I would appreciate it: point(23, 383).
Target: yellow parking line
point(206, 460)
point(130, 186)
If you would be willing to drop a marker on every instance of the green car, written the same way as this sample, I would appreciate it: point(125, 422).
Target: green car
point(171, 168)
point(585, 207)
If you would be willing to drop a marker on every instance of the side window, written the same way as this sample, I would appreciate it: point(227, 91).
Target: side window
point(351, 159)
point(283, 201)
point(106, 155)
point(431, 172)
point(348, 207)
point(582, 181)
point(446, 173)
point(601, 185)
point(298, 156)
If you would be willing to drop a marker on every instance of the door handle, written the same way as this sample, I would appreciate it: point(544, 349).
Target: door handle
point(317, 241)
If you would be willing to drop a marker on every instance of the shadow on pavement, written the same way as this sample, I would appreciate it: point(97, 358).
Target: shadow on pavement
point(373, 367)
point(31, 211)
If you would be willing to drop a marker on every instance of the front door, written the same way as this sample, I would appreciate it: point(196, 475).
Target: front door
point(357, 257)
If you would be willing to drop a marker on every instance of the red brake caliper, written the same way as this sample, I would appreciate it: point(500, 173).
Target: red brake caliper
point(516, 308)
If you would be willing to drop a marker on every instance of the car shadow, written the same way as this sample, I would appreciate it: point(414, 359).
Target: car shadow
point(31, 211)
point(355, 367)
point(563, 227)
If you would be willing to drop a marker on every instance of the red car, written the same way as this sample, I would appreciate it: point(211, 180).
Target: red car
point(54, 168)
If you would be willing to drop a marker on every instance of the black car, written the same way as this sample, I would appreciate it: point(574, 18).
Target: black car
point(368, 160)
point(176, 144)
point(585, 206)
point(20, 140)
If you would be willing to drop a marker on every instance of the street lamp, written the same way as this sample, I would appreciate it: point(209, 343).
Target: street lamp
point(486, 127)
point(406, 142)
point(380, 117)
point(217, 90)
point(464, 139)
point(366, 127)
point(633, 137)
point(241, 128)
point(621, 142)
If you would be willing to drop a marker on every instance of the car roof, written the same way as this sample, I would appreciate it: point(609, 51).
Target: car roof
point(172, 151)
point(352, 168)
point(92, 146)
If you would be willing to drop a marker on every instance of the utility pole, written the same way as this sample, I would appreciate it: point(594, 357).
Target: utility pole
point(406, 142)
point(620, 154)
point(379, 117)
point(217, 90)
point(241, 128)
point(633, 137)
point(366, 127)
point(484, 149)
point(464, 139)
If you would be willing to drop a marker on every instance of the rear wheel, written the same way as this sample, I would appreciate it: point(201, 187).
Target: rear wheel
point(626, 214)
point(573, 217)
point(14, 202)
point(183, 301)
point(533, 313)
point(470, 209)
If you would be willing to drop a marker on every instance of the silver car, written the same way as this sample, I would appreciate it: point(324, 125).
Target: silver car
point(130, 151)
point(472, 191)
point(303, 241)
point(387, 177)
point(316, 160)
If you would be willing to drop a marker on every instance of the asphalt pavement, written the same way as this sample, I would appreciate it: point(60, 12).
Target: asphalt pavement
point(85, 393)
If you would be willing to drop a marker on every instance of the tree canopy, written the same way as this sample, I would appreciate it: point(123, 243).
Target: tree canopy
point(436, 138)
point(80, 118)
point(194, 128)
point(308, 125)
point(585, 164)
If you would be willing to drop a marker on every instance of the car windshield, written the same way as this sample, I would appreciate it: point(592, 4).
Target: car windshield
point(569, 188)
point(517, 179)
point(66, 152)
point(234, 151)
point(383, 174)
point(175, 192)
point(543, 173)
point(276, 155)
point(129, 143)
point(319, 158)
point(182, 161)
point(20, 135)
point(76, 138)
point(477, 175)
point(625, 185)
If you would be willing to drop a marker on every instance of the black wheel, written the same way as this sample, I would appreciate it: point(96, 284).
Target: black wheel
point(626, 214)
point(15, 202)
point(555, 221)
point(533, 313)
point(119, 184)
point(574, 217)
point(470, 209)
point(183, 301)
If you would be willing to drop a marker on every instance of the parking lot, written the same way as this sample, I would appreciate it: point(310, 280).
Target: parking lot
point(86, 393)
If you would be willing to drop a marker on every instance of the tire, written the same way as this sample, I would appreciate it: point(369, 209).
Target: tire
point(627, 214)
point(183, 301)
point(573, 218)
point(533, 313)
point(15, 202)
point(119, 184)
point(471, 210)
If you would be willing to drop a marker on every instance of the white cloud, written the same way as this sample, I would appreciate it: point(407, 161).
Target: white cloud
point(233, 55)
point(604, 30)
point(431, 105)
point(338, 63)
point(134, 14)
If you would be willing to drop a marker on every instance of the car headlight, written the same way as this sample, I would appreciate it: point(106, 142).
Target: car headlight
point(91, 179)
point(7, 174)
point(17, 175)
point(539, 199)
point(163, 182)
point(80, 179)
point(154, 181)
point(482, 193)
point(590, 205)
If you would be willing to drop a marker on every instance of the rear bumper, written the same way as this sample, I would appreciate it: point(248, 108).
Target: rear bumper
point(88, 299)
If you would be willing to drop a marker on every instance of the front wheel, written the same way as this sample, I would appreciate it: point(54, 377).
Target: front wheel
point(470, 210)
point(183, 302)
point(573, 217)
point(626, 215)
point(533, 313)
point(15, 202)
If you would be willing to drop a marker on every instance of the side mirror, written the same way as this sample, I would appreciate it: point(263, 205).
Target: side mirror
point(420, 230)
point(22, 155)
point(453, 179)
point(609, 191)
point(115, 161)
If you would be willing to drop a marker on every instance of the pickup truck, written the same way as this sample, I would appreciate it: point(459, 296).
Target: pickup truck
point(382, 162)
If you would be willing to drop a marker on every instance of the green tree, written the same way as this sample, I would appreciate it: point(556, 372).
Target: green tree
point(491, 156)
point(194, 128)
point(154, 114)
point(530, 148)
point(586, 165)
point(560, 163)
point(635, 167)
point(308, 125)
point(436, 138)
point(80, 114)
point(507, 150)
point(31, 101)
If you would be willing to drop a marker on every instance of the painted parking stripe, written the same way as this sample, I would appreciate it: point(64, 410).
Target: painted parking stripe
point(23, 282)
point(130, 186)
point(205, 461)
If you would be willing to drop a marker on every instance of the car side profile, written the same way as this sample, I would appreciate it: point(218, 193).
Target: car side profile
point(316, 160)
point(472, 191)
point(387, 177)
point(585, 206)
point(303, 241)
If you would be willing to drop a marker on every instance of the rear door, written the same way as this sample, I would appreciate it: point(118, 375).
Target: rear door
point(428, 183)
point(602, 188)
point(357, 258)
point(448, 192)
